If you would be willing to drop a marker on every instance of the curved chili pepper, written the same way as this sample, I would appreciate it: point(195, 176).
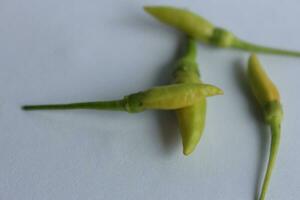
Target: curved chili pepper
point(168, 97)
point(201, 29)
point(269, 99)
point(191, 119)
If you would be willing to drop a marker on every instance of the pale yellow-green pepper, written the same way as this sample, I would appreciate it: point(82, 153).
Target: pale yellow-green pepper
point(191, 119)
point(170, 97)
point(269, 99)
point(201, 29)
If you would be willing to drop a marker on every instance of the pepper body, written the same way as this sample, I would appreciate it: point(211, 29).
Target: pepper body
point(176, 96)
point(263, 88)
point(185, 21)
point(191, 119)
point(201, 29)
point(268, 98)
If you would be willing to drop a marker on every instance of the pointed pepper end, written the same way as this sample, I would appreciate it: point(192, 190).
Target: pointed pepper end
point(188, 147)
point(150, 9)
point(220, 91)
point(254, 65)
point(187, 151)
point(253, 60)
point(158, 12)
point(212, 90)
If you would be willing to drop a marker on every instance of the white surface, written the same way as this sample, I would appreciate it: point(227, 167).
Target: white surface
point(64, 50)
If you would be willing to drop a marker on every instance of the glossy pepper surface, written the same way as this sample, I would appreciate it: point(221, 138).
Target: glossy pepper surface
point(168, 97)
point(201, 29)
point(192, 118)
point(268, 97)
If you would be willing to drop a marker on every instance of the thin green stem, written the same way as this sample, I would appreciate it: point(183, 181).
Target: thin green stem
point(187, 63)
point(117, 105)
point(191, 50)
point(240, 44)
point(275, 140)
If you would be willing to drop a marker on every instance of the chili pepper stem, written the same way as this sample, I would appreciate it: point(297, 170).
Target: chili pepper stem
point(191, 49)
point(240, 44)
point(117, 105)
point(275, 140)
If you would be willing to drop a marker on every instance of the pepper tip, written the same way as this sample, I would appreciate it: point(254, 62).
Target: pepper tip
point(253, 57)
point(218, 91)
point(187, 151)
point(148, 9)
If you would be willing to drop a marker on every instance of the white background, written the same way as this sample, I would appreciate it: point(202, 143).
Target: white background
point(64, 50)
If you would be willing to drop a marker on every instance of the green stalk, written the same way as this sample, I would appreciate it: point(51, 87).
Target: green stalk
point(191, 50)
point(117, 105)
point(240, 44)
point(275, 140)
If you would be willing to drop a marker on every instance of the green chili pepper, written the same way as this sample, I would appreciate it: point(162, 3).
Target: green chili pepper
point(191, 119)
point(269, 99)
point(201, 29)
point(169, 97)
